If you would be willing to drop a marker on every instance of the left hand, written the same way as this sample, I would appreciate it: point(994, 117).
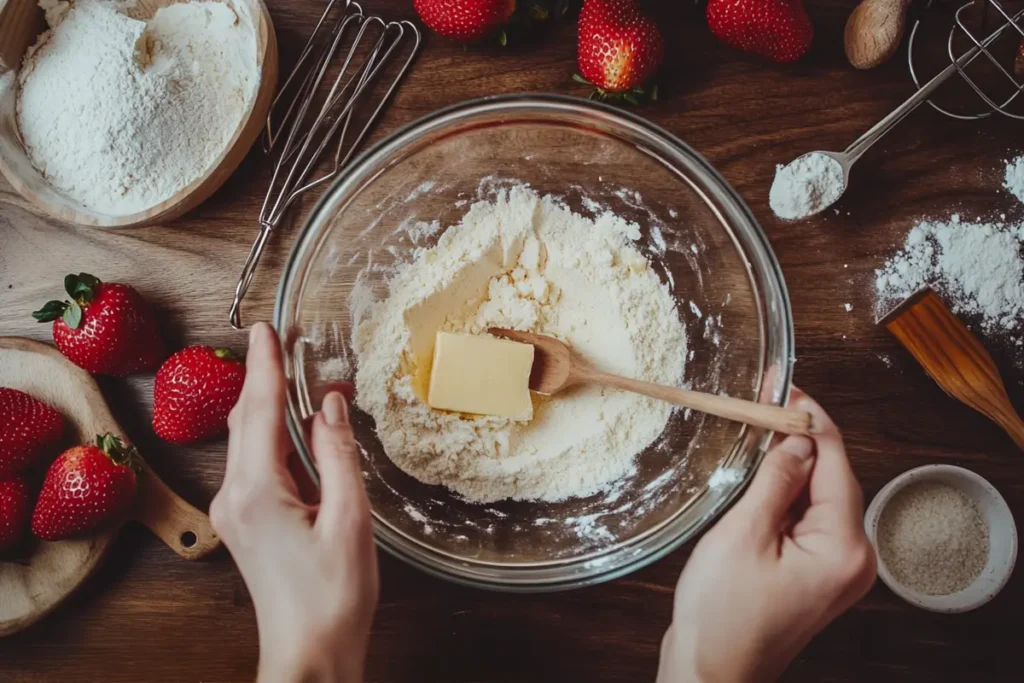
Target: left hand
point(311, 569)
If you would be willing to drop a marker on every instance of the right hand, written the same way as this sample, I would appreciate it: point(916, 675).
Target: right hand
point(785, 561)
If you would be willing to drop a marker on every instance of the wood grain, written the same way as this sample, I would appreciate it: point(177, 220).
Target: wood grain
point(556, 368)
point(20, 22)
point(954, 358)
point(30, 183)
point(33, 586)
point(195, 621)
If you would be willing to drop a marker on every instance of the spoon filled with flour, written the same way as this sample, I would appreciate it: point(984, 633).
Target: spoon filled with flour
point(808, 185)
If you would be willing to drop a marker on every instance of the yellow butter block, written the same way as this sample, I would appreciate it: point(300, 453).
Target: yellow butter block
point(481, 375)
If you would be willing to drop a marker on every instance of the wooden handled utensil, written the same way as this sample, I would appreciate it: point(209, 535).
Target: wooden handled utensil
point(556, 367)
point(21, 21)
point(954, 358)
point(38, 582)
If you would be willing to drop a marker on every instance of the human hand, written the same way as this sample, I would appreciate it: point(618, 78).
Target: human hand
point(311, 569)
point(785, 561)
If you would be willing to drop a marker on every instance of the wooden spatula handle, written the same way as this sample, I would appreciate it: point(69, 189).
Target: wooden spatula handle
point(782, 420)
point(182, 527)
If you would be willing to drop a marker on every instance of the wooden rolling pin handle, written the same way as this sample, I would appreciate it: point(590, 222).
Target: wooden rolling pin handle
point(874, 31)
point(775, 418)
point(182, 527)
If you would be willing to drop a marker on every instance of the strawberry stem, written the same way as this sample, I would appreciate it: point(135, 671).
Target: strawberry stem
point(117, 451)
point(226, 354)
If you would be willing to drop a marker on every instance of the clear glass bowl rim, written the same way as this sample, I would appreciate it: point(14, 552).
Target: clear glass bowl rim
point(518, 579)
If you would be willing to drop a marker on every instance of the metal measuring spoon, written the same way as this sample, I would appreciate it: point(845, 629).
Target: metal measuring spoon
point(849, 157)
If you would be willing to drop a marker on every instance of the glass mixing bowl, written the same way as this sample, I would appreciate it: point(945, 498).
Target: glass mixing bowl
point(701, 239)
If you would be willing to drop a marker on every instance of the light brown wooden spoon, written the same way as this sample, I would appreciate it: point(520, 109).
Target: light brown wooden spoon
point(556, 368)
point(954, 358)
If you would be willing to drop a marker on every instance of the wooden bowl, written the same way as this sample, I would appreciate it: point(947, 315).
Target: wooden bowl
point(20, 23)
point(34, 584)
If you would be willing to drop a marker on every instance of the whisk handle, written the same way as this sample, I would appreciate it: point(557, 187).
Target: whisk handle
point(248, 271)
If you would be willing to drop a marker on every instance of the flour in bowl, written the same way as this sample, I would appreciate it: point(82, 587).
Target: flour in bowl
point(120, 114)
point(526, 262)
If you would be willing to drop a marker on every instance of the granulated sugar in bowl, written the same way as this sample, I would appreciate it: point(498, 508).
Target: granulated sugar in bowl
point(945, 538)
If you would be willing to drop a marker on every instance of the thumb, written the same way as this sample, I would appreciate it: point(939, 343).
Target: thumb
point(343, 502)
point(783, 475)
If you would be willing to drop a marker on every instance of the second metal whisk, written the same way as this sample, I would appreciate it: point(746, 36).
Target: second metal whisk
point(312, 112)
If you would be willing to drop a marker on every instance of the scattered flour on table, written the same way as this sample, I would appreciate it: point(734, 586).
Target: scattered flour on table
point(119, 114)
point(977, 267)
point(805, 186)
point(527, 262)
point(1014, 178)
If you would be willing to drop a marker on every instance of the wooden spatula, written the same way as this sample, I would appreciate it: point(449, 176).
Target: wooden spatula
point(21, 22)
point(556, 367)
point(954, 358)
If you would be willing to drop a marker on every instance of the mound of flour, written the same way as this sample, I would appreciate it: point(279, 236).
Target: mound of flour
point(120, 114)
point(976, 266)
point(524, 262)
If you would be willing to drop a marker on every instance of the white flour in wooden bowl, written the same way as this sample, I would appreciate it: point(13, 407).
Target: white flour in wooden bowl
point(120, 114)
point(525, 262)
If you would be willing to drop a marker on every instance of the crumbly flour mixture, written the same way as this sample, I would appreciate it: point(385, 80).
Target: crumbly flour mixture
point(120, 114)
point(1013, 180)
point(977, 267)
point(525, 262)
point(805, 186)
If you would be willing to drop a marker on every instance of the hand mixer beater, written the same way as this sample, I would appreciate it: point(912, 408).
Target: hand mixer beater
point(313, 111)
point(1009, 25)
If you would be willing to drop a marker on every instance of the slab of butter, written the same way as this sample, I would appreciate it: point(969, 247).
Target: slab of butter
point(481, 375)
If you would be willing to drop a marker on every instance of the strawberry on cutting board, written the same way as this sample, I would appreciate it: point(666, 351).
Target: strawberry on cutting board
point(15, 510)
point(619, 49)
point(195, 390)
point(106, 328)
point(465, 21)
point(779, 30)
point(86, 488)
point(28, 429)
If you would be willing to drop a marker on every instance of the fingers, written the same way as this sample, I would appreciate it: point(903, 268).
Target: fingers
point(783, 475)
point(259, 439)
point(833, 482)
point(343, 504)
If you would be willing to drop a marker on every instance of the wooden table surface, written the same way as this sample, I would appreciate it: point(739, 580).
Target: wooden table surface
point(148, 616)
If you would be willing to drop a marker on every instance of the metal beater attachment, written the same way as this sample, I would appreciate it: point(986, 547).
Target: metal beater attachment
point(1008, 25)
point(314, 110)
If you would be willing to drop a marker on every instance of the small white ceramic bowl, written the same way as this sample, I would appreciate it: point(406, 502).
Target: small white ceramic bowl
point(1002, 554)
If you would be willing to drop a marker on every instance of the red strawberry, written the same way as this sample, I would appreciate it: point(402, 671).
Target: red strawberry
point(85, 488)
point(777, 29)
point(466, 21)
point(106, 328)
point(28, 428)
point(618, 49)
point(15, 510)
point(1018, 64)
point(195, 390)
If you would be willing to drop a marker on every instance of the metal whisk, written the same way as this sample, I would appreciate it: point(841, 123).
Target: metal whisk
point(1007, 24)
point(306, 130)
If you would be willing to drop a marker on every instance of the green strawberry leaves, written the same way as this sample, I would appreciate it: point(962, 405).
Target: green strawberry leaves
point(636, 96)
point(82, 289)
point(117, 451)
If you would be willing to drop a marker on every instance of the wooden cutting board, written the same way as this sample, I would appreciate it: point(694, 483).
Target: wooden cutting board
point(32, 587)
